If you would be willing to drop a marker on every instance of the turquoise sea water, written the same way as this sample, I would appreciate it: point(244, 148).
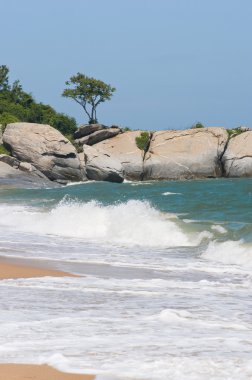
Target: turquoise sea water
point(166, 286)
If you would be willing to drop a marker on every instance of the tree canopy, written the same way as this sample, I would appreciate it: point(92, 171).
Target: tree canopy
point(18, 105)
point(89, 93)
point(4, 79)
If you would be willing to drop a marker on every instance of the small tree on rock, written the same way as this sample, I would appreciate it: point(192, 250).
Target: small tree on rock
point(143, 141)
point(89, 93)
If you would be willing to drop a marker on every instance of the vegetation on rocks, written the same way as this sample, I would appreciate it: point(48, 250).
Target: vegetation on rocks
point(18, 105)
point(197, 125)
point(3, 150)
point(234, 132)
point(143, 141)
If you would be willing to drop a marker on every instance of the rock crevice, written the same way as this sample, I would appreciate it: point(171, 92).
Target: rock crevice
point(237, 159)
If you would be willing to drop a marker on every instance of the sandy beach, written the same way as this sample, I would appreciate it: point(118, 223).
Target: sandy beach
point(37, 372)
point(10, 270)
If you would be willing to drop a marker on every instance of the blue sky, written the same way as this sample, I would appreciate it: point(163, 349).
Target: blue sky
point(173, 62)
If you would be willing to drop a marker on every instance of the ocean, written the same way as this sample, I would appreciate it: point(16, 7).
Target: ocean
point(166, 279)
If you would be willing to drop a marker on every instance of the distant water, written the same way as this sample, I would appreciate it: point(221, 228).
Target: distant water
point(167, 286)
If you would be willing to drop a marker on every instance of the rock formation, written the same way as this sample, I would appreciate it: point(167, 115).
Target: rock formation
point(87, 129)
point(185, 154)
point(98, 136)
point(237, 159)
point(100, 166)
point(20, 178)
point(46, 149)
point(40, 152)
point(23, 166)
point(122, 148)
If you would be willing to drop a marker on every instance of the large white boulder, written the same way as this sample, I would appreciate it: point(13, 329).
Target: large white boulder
point(100, 166)
point(185, 154)
point(122, 148)
point(45, 148)
point(237, 159)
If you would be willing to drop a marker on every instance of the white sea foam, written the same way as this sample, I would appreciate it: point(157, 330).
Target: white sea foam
point(122, 337)
point(79, 183)
point(170, 193)
point(141, 183)
point(218, 228)
point(229, 252)
point(190, 221)
point(131, 223)
point(182, 317)
point(171, 316)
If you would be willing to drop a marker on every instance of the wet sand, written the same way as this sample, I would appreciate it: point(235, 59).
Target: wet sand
point(9, 270)
point(37, 372)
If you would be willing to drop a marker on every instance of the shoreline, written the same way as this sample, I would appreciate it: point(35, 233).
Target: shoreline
point(13, 268)
point(37, 372)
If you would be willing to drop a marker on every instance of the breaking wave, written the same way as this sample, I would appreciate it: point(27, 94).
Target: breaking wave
point(131, 223)
point(229, 252)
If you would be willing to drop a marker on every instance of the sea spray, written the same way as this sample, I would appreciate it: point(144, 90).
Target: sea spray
point(132, 223)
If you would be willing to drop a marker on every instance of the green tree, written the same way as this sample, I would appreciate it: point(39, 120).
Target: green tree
point(4, 79)
point(18, 96)
point(7, 118)
point(18, 105)
point(89, 93)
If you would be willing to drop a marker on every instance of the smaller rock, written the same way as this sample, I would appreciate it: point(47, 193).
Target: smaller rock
point(12, 161)
point(98, 136)
point(100, 166)
point(87, 129)
point(25, 167)
point(243, 128)
point(115, 126)
point(11, 177)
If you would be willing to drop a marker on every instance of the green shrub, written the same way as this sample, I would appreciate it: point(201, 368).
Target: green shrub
point(143, 141)
point(234, 132)
point(7, 118)
point(126, 129)
point(3, 150)
point(197, 125)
